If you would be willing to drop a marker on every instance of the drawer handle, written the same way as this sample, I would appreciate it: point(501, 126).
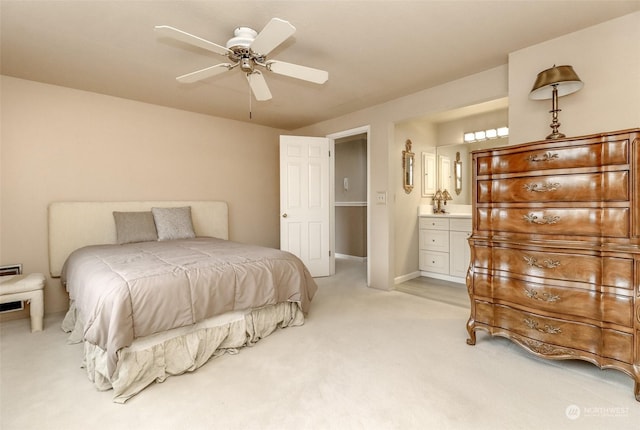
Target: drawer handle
point(542, 188)
point(546, 219)
point(547, 329)
point(545, 349)
point(546, 297)
point(547, 156)
point(546, 264)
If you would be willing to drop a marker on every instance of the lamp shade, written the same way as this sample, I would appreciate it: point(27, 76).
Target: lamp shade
point(446, 195)
point(564, 78)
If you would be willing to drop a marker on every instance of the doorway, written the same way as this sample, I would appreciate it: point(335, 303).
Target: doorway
point(350, 196)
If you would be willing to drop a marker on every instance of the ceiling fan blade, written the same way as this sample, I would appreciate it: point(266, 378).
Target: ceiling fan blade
point(299, 72)
point(198, 75)
point(258, 86)
point(273, 34)
point(180, 35)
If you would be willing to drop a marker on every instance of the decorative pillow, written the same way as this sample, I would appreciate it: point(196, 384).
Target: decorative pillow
point(135, 227)
point(173, 223)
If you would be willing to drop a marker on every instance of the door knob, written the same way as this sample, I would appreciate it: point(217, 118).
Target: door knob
point(284, 215)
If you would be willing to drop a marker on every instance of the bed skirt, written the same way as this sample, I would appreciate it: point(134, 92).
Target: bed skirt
point(156, 357)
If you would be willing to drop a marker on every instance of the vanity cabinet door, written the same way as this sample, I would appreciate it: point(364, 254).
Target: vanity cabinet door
point(459, 253)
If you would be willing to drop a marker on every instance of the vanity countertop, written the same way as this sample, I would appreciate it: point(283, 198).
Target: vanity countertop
point(446, 215)
point(453, 211)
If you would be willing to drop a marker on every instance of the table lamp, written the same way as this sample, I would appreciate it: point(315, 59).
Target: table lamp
point(552, 83)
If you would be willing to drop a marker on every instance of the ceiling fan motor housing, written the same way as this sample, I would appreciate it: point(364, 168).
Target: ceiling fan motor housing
point(240, 45)
point(243, 38)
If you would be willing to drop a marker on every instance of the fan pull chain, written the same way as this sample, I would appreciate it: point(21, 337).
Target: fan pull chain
point(250, 113)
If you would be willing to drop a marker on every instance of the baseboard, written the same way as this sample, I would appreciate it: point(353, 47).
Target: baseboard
point(405, 278)
point(444, 277)
point(352, 257)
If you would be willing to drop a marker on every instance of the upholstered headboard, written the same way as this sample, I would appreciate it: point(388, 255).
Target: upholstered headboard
point(73, 225)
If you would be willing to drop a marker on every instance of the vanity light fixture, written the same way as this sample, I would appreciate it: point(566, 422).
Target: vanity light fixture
point(492, 133)
point(552, 83)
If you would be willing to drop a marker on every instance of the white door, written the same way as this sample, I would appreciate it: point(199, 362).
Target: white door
point(305, 201)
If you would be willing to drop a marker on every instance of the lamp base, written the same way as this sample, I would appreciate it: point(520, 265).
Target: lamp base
point(555, 135)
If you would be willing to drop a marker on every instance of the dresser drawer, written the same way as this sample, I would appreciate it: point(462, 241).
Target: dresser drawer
point(587, 222)
point(434, 223)
point(437, 262)
point(607, 186)
point(556, 331)
point(579, 302)
point(434, 240)
point(555, 156)
point(592, 269)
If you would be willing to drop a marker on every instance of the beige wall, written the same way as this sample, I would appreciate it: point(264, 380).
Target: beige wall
point(607, 59)
point(63, 144)
point(423, 139)
point(351, 231)
point(351, 162)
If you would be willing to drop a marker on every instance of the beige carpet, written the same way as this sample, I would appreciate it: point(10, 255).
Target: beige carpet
point(365, 359)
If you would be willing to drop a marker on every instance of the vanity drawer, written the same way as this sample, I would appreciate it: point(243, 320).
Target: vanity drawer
point(592, 269)
point(580, 302)
point(437, 262)
point(434, 240)
point(607, 186)
point(585, 223)
point(591, 153)
point(434, 223)
point(556, 331)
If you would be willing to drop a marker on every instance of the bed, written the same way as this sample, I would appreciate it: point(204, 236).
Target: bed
point(157, 289)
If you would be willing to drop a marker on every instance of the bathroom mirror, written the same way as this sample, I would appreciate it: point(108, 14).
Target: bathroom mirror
point(407, 167)
point(454, 171)
point(457, 174)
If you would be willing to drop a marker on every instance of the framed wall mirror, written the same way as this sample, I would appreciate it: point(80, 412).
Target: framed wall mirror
point(407, 167)
point(457, 173)
point(454, 171)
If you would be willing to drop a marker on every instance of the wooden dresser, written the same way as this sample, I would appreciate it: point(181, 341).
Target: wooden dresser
point(555, 248)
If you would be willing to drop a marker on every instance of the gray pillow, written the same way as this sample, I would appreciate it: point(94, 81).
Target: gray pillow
point(135, 227)
point(173, 223)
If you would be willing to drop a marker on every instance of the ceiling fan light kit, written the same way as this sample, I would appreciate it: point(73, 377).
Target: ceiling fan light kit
point(248, 49)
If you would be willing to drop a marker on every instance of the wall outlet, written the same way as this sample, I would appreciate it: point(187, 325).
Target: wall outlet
point(381, 198)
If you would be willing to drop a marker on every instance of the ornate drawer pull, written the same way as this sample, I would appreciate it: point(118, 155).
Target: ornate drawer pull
point(543, 348)
point(546, 297)
point(542, 188)
point(547, 219)
point(546, 264)
point(548, 329)
point(544, 157)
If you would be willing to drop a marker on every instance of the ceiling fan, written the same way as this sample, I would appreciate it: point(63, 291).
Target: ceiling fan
point(248, 50)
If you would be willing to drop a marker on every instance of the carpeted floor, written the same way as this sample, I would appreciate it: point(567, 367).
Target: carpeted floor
point(365, 359)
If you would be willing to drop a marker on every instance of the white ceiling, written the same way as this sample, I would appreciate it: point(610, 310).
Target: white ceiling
point(374, 51)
